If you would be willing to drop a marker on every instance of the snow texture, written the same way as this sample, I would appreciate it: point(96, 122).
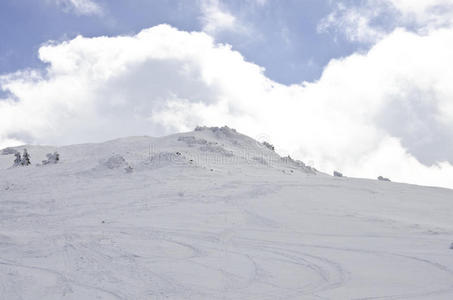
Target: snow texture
point(231, 221)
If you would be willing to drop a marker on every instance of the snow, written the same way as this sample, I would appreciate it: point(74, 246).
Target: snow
point(213, 214)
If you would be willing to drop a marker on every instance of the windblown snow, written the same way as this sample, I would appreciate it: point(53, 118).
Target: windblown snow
point(213, 214)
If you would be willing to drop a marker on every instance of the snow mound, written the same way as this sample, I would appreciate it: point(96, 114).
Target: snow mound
point(115, 162)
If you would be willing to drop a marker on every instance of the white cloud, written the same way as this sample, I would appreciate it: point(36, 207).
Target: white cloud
point(371, 20)
point(355, 23)
point(216, 18)
point(378, 113)
point(431, 13)
point(81, 7)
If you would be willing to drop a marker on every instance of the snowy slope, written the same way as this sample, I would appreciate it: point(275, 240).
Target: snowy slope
point(213, 214)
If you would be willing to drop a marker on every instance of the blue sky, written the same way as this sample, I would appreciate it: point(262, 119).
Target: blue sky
point(363, 87)
point(284, 40)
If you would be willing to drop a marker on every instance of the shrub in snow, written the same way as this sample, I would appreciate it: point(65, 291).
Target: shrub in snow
point(383, 178)
point(298, 164)
point(219, 132)
point(269, 146)
point(224, 129)
point(451, 246)
point(337, 174)
point(288, 159)
point(18, 159)
point(52, 158)
point(25, 158)
point(115, 161)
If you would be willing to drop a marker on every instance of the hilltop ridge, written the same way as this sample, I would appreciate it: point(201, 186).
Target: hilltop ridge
point(205, 147)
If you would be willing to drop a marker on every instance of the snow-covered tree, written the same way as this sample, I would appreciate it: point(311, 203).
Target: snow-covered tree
point(25, 158)
point(18, 159)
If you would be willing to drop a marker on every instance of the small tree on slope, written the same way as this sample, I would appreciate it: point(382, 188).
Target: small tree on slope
point(25, 158)
point(17, 160)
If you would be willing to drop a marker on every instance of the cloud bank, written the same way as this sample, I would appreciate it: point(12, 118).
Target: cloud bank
point(385, 112)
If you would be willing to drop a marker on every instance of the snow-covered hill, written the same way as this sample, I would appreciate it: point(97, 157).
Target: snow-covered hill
point(213, 214)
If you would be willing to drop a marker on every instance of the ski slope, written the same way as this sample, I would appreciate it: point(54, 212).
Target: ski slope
point(213, 214)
